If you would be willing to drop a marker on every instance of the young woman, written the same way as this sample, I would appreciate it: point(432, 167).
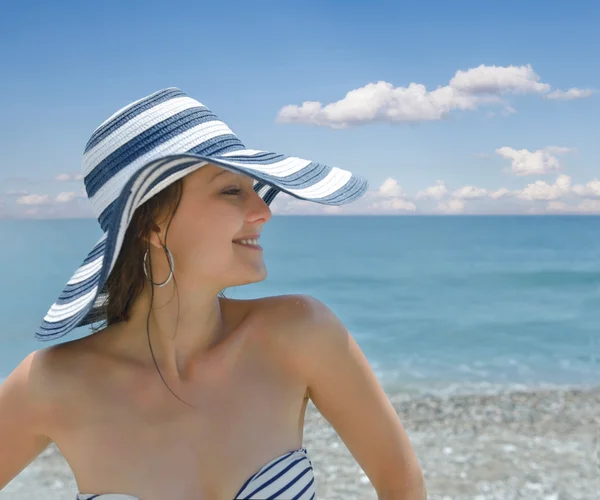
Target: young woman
point(184, 394)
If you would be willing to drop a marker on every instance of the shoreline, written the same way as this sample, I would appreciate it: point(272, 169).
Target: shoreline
point(533, 444)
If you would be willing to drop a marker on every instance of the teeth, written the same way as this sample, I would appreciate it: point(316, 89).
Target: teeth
point(249, 242)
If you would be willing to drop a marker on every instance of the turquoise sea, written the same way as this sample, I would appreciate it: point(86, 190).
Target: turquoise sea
point(436, 303)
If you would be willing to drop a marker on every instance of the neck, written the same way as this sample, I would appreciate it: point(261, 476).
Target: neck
point(184, 325)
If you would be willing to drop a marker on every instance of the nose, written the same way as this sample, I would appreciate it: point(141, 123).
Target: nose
point(258, 210)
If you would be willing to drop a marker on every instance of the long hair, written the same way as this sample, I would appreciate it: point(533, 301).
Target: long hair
point(126, 280)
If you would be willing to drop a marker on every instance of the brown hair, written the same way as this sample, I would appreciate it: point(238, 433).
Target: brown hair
point(127, 278)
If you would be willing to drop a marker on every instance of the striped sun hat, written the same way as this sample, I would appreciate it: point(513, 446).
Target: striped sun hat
point(144, 147)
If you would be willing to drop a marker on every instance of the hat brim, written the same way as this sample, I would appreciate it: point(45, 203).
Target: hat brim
point(83, 299)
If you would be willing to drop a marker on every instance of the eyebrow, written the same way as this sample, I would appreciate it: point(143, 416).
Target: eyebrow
point(217, 175)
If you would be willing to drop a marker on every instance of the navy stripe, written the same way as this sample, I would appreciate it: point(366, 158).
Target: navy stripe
point(170, 172)
point(50, 331)
point(73, 292)
point(351, 191)
point(96, 251)
point(291, 483)
point(218, 145)
point(144, 143)
point(105, 216)
point(260, 158)
point(305, 489)
point(135, 110)
point(263, 470)
point(277, 476)
point(270, 195)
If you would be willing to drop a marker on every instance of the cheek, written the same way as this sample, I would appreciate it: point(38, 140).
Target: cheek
point(203, 244)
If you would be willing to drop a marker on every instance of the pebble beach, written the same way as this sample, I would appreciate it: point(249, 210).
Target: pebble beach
point(530, 444)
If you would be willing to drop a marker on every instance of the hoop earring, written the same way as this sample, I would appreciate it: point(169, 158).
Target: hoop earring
point(171, 268)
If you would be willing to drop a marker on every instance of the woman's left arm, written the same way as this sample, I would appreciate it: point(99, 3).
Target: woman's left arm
point(347, 393)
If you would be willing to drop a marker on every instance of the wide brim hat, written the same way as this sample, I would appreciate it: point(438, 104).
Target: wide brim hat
point(146, 146)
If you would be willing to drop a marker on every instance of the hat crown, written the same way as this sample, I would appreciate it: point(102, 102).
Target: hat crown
point(167, 122)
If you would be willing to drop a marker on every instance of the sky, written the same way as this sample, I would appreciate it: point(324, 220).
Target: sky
point(463, 107)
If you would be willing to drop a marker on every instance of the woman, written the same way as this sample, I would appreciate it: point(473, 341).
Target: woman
point(185, 394)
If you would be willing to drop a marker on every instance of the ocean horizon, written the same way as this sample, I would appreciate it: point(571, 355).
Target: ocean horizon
point(447, 303)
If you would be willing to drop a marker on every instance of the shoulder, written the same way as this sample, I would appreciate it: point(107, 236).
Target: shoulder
point(294, 315)
point(46, 375)
point(31, 389)
point(301, 329)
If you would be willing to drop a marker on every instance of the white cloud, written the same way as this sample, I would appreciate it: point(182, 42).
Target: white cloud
point(572, 93)
point(382, 102)
point(470, 192)
point(585, 207)
point(591, 206)
point(34, 199)
point(64, 204)
point(499, 193)
point(66, 197)
point(390, 188)
point(394, 204)
point(436, 192)
point(541, 190)
point(391, 197)
point(453, 205)
point(68, 177)
point(541, 161)
point(498, 79)
point(557, 206)
point(589, 190)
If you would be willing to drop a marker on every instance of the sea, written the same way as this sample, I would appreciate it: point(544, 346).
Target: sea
point(438, 304)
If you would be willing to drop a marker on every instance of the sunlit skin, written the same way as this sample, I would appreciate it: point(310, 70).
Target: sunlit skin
point(241, 370)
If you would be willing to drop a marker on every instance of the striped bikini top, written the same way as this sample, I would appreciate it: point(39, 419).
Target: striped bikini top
point(287, 477)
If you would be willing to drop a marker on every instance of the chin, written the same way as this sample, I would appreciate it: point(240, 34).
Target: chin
point(248, 278)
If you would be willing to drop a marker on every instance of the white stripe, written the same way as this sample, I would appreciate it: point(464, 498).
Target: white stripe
point(244, 152)
point(335, 180)
point(282, 168)
point(263, 190)
point(59, 312)
point(172, 178)
point(116, 113)
point(177, 145)
point(283, 480)
point(135, 127)
point(84, 272)
point(138, 189)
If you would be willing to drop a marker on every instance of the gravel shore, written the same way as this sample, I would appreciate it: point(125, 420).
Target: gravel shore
point(541, 444)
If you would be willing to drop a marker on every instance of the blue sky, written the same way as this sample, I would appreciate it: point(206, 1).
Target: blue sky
point(445, 107)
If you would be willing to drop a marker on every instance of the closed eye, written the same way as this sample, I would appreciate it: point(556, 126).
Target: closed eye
point(233, 191)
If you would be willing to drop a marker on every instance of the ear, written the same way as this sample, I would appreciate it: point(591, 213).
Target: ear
point(154, 238)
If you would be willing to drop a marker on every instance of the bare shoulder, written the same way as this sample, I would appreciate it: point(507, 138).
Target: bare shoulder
point(342, 385)
point(49, 375)
point(296, 324)
point(29, 391)
point(33, 375)
point(42, 371)
point(30, 405)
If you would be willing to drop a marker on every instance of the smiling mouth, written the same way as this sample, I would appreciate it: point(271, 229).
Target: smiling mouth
point(250, 244)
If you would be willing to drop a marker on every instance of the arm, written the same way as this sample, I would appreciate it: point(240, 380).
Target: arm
point(347, 393)
point(20, 421)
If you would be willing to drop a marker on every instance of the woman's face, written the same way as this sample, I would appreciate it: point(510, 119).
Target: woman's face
point(217, 207)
